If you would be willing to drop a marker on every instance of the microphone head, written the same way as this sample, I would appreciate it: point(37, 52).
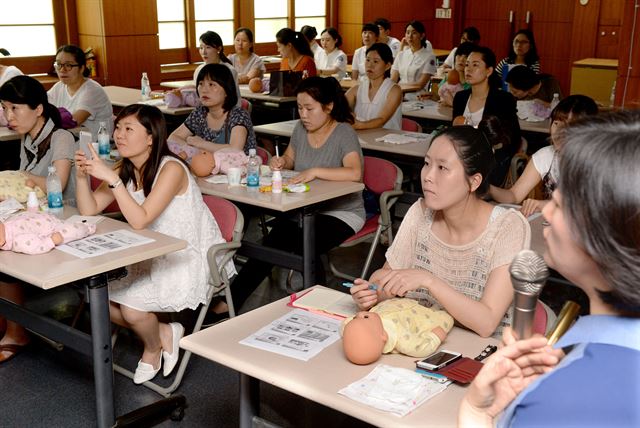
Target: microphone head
point(528, 272)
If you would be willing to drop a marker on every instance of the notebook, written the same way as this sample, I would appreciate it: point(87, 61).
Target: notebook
point(325, 301)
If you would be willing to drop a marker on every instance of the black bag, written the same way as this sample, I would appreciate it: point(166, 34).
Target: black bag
point(284, 83)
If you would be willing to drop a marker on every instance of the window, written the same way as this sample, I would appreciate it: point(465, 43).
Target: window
point(214, 16)
point(310, 13)
point(171, 24)
point(270, 16)
point(27, 28)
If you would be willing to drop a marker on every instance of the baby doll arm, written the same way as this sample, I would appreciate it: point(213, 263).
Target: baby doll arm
point(74, 231)
point(32, 243)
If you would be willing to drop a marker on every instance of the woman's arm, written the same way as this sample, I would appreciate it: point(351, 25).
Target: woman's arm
point(351, 170)
point(395, 76)
point(423, 80)
point(286, 161)
point(388, 110)
point(354, 73)
point(80, 116)
point(180, 135)
point(92, 202)
point(352, 96)
point(516, 193)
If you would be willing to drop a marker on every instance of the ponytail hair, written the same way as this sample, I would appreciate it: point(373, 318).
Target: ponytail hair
point(213, 39)
point(299, 42)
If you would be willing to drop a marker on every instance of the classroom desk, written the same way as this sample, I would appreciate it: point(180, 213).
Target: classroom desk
point(303, 204)
point(347, 84)
point(122, 97)
point(53, 269)
point(432, 110)
point(320, 378)
point(245, 92)
point(7, 134)
point(367, 139)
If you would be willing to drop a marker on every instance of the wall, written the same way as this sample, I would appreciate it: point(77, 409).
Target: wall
point(628, 83)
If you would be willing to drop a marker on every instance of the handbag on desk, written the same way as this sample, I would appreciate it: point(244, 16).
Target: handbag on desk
point(284, 83)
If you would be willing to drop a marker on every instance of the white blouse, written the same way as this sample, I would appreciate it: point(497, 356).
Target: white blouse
point(336, 59)
point(411, 65)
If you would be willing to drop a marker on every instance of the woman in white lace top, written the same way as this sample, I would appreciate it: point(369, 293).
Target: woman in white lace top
point(453, 249)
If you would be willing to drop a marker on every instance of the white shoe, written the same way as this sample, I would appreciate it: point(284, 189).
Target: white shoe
point(145, 372)
point(170, 360)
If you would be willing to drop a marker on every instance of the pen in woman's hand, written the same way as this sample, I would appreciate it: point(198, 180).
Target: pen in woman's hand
point(350, 284)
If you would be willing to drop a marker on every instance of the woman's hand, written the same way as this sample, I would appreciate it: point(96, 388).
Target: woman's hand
point(94, 167)
point(197, 142)
point(530, 206)
point(277, 163)
point(504, 376)
point(362, 295)
point(304, 177)
point(399, 282)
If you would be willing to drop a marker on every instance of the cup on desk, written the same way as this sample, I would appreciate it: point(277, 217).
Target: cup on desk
point(234, 176)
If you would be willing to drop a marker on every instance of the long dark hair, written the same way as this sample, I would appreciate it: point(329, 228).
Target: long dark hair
point(599, 168)
point(153, 120)
point(248, 33)
point(334, 34)
point(474, 151)
point(213, 39)
point(419, 27)
point(297, 40)
point(220, 74)
point(327, 90)
point(532, 56)
point(78, 56)
point(385, 53)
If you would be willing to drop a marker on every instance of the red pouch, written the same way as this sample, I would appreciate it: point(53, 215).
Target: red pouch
point(462, 371)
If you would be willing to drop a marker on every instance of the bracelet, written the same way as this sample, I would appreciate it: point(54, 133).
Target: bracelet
point(116, 184)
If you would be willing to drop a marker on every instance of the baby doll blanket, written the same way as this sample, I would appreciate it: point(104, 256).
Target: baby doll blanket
point(12, 185)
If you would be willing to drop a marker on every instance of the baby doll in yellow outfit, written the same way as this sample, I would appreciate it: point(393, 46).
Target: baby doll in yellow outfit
point(397, 325)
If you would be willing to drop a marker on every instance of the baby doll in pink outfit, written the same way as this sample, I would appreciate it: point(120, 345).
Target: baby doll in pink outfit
point(204, 163)
point(38, 233)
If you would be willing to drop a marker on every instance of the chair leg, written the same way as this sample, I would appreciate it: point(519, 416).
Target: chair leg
point(372, 250)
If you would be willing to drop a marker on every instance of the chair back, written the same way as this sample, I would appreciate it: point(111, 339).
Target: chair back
point(381, 175)
point(410, 125)
point(113, 207)
point(246, 104)
point(264, 155)
point(226, 214)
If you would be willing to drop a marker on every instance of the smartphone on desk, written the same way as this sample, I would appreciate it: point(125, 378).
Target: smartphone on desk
point(440, 359)
point(85, 140)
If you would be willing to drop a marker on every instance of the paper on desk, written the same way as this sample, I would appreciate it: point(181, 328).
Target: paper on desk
point(406, 138)
point(8, 207)
point(298, 334)
point(153, 102)
point(97, 245)
point(89, 219)
point(393, 389)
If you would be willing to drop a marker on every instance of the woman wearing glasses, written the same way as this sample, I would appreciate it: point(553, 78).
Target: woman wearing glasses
point(84, 98)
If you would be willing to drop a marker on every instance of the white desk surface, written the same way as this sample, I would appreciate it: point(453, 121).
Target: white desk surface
point(434, 111)
point(367, 138)
point(245, 92)
point(57, 268)
point(319, 191)
point(7, 134)
point(320, 378)
point(122, 97)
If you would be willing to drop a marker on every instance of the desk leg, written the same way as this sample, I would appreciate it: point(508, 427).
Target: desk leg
point(308, 249)
point(102, 355)
point(249, 400)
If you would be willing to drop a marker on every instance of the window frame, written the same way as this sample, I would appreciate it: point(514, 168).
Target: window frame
point(243, 16)
point(66, 32)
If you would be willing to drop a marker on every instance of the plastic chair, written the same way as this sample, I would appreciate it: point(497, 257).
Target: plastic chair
point(246, 104)
point(410, 125)
point(383, 178)
point(264, 155)
point(230, 221)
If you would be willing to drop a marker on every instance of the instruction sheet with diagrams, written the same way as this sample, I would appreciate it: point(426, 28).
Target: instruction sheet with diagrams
point(298, 334)
point(96, 245)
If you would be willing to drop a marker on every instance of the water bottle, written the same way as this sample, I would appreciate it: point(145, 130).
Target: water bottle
point(54, 192)
point(253, 171)
point(145, 87)
point(104, 145)
point(555, 101)
point(612, 97)
point(276, 182)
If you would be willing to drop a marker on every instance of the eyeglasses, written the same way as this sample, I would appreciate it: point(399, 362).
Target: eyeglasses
point(67, 66)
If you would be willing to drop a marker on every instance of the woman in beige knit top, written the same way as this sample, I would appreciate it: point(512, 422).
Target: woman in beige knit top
point(453, 249)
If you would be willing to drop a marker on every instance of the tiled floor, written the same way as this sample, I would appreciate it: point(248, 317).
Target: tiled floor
point(44, 387)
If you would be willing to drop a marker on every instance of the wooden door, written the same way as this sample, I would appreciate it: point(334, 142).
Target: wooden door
point(492, 18)
point(551, 22)
point(609, 26)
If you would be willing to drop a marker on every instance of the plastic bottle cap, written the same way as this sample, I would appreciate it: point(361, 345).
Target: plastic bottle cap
point(51, 168)
point(252, 152)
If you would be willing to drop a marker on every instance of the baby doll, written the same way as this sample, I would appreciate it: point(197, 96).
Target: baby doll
point(181, 97)
point(449, 89)
point(13, 184)
point(38, 233)
point(398, 325)
point(204, 163)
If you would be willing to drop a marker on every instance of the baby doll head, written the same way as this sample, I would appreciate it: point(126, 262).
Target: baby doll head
point(363, 338)
point(202, 164)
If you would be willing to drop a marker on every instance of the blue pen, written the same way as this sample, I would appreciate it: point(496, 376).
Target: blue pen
point(350, 284)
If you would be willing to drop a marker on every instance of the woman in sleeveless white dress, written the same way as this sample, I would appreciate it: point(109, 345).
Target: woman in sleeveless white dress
point(376, 99)
point(154, 190)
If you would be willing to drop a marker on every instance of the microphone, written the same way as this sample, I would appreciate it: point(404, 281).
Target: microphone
point(529, 273)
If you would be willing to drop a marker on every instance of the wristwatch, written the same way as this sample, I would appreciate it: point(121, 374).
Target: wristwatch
point(116, 184)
